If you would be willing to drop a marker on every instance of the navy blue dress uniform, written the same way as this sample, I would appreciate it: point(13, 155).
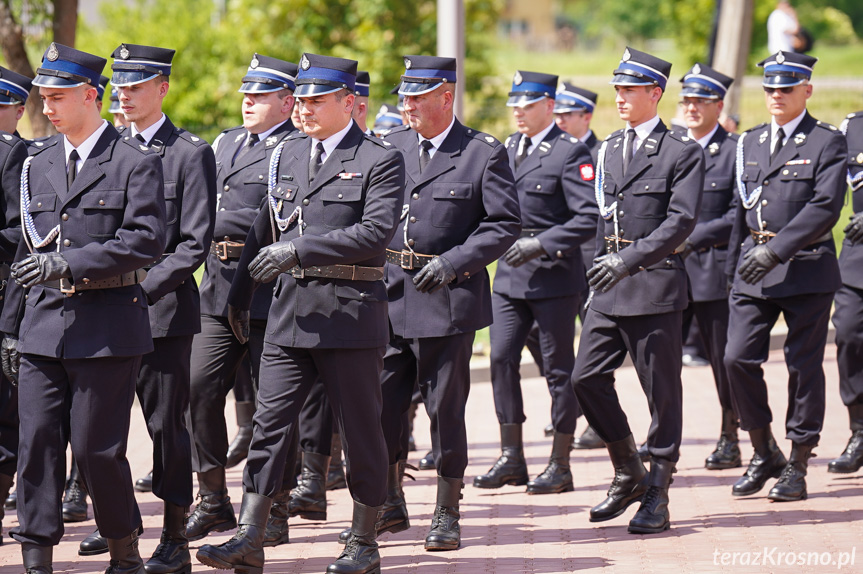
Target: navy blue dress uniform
point(640, 292)
point(14, 90)
point(539, 280)
point(322, 238)
point(241, 185)
point(706, 254)
point(785, 261)
point(85, 324)
point(848, 302)
point(461, 213)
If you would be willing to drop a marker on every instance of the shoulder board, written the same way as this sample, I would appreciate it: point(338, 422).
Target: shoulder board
point(396, 130)
point(295, 135)
point(680, 136)
point(8, 139)
point(732, 137)
point(612, 135)
point(853, 115)
point(568, 138)
point(754, 128)
point(826, 126)
point(136, 145)
point(378, 141)
point(121, 129)
point(39, 144)
point(483, 137)
point(190, 137)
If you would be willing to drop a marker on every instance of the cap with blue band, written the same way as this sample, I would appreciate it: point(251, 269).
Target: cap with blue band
point(103, 85)
point(14, 88)
point(267, 74)
point(363, 83)
point(65, 67)
point(570, 98)
point(387, 118)
point(704, 82)
point(787, 69)
point(424, 74)
point(638, 68)
point(530, 87)
point(136, 64)
point(321, 75)
point(115, 108)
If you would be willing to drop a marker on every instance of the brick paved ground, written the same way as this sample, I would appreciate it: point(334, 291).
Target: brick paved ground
point(507, 531)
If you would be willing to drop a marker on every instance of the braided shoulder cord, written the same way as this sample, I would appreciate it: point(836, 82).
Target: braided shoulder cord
point(747, 199)
point(605, 212)
point(276, 205)
point(31, 235)
point(852, 181)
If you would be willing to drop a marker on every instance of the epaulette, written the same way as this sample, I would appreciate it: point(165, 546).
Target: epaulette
point(612, 135)
point(395, 130)
point(753, 128)
point(483, 137)
point(378, 141)
point(190, 137)
point(135, 144)
point(568, 138)
point(121, 129)
point(37, 145)
point(682, 137)
point(295, 135)
point(853, 115)
point(8, 139)
point(826, 126)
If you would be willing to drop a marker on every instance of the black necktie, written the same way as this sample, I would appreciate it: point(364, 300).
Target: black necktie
point(425, 156)
point(71, 169)
point(250, 143)
point(777, 145)
point(522, 152)
point(316, 162)
point(630, 148)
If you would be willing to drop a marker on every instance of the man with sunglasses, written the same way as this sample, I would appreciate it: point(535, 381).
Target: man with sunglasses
point(791, 184)
point(706, 249)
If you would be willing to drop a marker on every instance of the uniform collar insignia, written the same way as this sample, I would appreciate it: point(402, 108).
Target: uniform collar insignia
point(239, 137)
point(799, 138)
point(489, 139)
point(763, 137)
point(271, 140)
point(714, 148)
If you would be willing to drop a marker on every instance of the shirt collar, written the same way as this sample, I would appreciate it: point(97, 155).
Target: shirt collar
point(583, 139)
point(264, 135)
point(332, 142)
point(788, 128)
point(437, 141)
point(86, 148)
point(535, 140)
point(643, 130)
point(706, 139)
point(148, 133)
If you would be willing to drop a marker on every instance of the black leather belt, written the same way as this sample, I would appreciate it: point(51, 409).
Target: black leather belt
point(408, 259)
point(157, 261)
point(124, 280)
point(352, 272)
point(532, 231)
point(225, 250)
point(762, 237)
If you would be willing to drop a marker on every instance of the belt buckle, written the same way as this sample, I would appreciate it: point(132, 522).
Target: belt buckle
point(222, 251)
point(610, 245)
point(66, 287)
point(410, 260)
point(298, 273)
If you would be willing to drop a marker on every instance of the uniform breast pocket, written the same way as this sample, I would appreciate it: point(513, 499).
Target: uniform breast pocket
point(343, 205)
point(42, 210)
point(172, 202)
point(797, 182)
point(717, 194)
point(450, 203)
point(254, 190)
point(537, 191)
point(649, 197)
point(103, 212)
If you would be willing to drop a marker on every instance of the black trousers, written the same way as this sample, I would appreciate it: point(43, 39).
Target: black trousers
point(316, 422)
point(244, 388)
point(712, 320)
point(216, 357)
point(655, 344)
point(88, 403)
point(441, 367)
point(8, 427)
point(163, 391)
point(351, 379)
point(749, 325)
point(513, 318)
point(848, 320)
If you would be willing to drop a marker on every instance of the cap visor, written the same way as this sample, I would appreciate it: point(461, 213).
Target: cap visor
point(522, 100)
point(417, 89)
point(258, 88)
point(566, 108)
point(55, 82)
point(781, 81)
point(698, 93)
point(627, 80)
point(121, 79)
point(9, 101)
point(312, 90)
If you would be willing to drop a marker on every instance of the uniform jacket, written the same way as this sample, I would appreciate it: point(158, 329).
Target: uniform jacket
point(463, 207)
point(190, 203)
point(658, 200)
point(802, 195)
point(706, 264)
point(241, 188)
point(555, 194)
point(112, 221)
point(851, 256)
point(350, 213)
point(13, 152)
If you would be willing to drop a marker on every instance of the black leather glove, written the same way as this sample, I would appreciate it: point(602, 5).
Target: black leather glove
point(238, 319)
point(10, 358)
point(273, 260)
point(39, 268)
point(606, 272)
point(437, 273)
point(854, 230)
point(523, 250)
point(757, 262)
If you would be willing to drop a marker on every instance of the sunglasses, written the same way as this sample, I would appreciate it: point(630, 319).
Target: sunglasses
point(785, 90)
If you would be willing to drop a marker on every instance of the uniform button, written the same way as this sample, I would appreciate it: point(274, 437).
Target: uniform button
point(559, 254)
point(646, 187)
point(795, 174)
point(85, 280)
point(260, 177)
point(621, 233)
point(452, 191)
point(227, 238)
point(67, 243)
point(39, 204)
point(222, 209)
point(305, 202)
point(766, 181)
point(713, 184)
point(620, 215)
point(763, 202)
point(620, 196)
point(668, 262)
point(539, 187)
point(227, 188)
point(416, 196)
point(467, 273)
point(411, 242)
point(341, 196)
point(65, 217)
point(134, 299)
point(784, 172)
point(413, 219)
point(101, 202)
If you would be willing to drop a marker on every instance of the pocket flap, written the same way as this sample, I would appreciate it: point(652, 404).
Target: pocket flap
point(44, 202)
point(655, 185)
point(541, 185)
point(452, 190)
point(793, 172)
point(342, 193)
point(104, 199)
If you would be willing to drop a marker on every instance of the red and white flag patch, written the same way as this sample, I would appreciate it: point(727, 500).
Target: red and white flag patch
point(586, 171)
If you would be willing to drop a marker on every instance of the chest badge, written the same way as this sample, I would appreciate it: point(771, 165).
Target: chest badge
point(348, 175)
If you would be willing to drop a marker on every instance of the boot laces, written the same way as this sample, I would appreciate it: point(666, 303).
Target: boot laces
point(440, 517)
point(73, 492)
point(651, 496)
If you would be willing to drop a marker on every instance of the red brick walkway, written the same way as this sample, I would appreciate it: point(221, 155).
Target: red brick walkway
point(507, 531)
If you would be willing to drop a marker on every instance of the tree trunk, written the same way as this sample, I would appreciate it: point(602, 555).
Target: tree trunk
point(65, 21)
point(12, 46)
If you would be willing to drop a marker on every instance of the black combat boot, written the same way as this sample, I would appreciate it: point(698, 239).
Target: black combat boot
point(557, 477)
point(125, 558)
point(75, 497)
point(97, 544)
point(588, 440)
point(336, 473)
point(244, 553)
point(37, 559)
point(445, 533)
point(792, 484)
point(629, 483)
point(145, 483)
point(360, 555)
point(5, 486)
point(214, 513)
point(727, 453)
point(172, 554)
point(239, 448)
point(652, 516)
point(394, 513)
point(309, 498)
point(277, 523)
point(851, 458)
point(11, 502)
point(767, 462)
point(427, 462)
point(510, 467)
